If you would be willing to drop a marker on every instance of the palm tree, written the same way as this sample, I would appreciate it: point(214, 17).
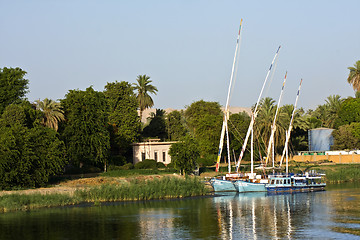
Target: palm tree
point(53, 114)
point(334, 103)
point(354, 76)
point(143, 88)
point(264, 122)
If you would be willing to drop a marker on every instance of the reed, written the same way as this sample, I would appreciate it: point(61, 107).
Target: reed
point(343, 173)
point(16, 202)
point(163, 188)
point(166, 187)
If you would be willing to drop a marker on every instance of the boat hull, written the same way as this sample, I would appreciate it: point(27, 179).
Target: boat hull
point(305, 188)
point(245, 186)
point(220, 185)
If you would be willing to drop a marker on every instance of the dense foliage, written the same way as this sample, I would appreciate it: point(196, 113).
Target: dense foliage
point(29, 152)
point(13, 86)
point(157, 126)
point(175, 125)
point(85, 132)
point(184, 154)
point(123, 118)
point(204, 120)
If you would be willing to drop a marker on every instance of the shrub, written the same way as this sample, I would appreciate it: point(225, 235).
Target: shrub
point(160, 165)
point(146, 164)
point(127, 166)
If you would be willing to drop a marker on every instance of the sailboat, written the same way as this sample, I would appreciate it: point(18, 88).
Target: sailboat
point(255, 183)
point(225, 183)
point(291, 182)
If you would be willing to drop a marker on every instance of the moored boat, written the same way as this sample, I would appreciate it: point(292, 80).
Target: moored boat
point(295, 183)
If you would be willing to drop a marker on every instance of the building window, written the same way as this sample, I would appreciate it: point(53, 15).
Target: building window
point(164, 156)
point(142, 156)
point(155, 156)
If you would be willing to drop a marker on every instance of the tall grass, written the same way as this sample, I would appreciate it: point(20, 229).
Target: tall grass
point(167, 187)
point(343, 173)
point(164, 188)
point(16, 202)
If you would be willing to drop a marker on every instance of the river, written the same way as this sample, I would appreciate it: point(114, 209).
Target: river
point(330, 214)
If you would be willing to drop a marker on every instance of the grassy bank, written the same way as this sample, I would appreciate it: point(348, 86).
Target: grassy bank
point(163, 188)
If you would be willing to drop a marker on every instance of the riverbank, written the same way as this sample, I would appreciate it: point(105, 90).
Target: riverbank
point(111, 190)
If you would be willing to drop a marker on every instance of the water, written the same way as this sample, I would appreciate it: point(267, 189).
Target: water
point(331, 214)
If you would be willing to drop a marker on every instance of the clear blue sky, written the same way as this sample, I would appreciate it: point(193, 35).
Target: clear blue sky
point(185, 46)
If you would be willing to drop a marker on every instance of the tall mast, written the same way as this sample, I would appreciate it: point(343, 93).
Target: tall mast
point(226, 111)
point(290, 128)
point(255, 112)
point(273, 126)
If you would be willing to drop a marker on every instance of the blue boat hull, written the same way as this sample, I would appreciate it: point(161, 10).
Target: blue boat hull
point(304, 188)
point(244, 186)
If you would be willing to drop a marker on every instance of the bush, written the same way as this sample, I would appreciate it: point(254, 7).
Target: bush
point(127, 166)
point(146, 164)
point(170, 166)
point(160, 165)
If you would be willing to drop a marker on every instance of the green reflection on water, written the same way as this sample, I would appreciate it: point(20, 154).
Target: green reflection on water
point(345, 203)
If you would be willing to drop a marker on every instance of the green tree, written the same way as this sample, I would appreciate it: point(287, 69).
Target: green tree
point(184, 154)
point(238, 125)
point(204, 120)
point(143, 88)
point(157, 126)
point(29, 152)
point(264, 121)
point(349, 112)
point(53, 114)
point(333, 103)
point(354, 76)
point(13, 86)
point(85, 132)
point(347, 137)
point(175, 125)
point(123, 117)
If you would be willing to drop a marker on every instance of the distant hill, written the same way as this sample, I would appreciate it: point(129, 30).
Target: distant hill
point(147, 112)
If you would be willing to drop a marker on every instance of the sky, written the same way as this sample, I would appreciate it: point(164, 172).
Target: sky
point(186, 47)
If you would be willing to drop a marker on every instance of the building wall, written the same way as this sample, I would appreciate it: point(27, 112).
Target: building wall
point(158, 151)
point(340, 158)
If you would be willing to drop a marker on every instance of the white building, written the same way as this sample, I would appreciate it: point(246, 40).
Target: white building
point(152, 149)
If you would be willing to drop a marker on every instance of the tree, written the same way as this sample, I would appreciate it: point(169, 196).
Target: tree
point(347, 137)
point(238, 125)
point(157, 126)
point(184, 154)
point(123, 118)
point(13, 86)
point(85, 132)
point(264, 121)
point(333, 103)
point(143, 88)
point(53, 114)
point(175, 125)
point(354, 76)
point(29, 152)
point(349, 112)
point(204, 120)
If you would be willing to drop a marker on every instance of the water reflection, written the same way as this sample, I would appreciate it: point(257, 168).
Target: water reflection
point(333, 214)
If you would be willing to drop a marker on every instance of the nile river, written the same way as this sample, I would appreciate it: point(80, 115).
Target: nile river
point(331, 214)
